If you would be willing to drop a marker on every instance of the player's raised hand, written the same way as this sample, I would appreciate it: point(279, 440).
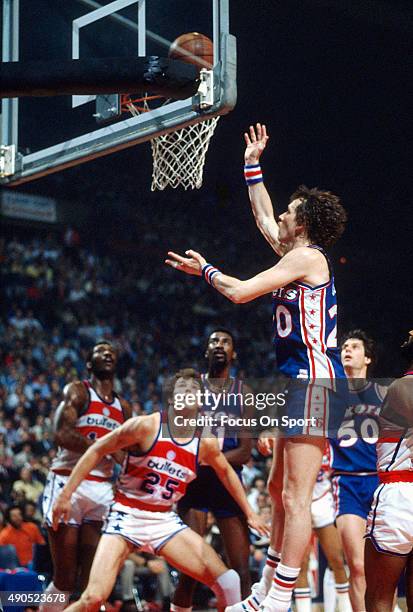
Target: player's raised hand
point(61, 510)
point(256, 141)
point(257, 522)
point(192, 264)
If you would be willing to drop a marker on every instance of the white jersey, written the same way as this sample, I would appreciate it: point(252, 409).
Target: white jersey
point(96, 419)
point(395, 452)
point(158, 478)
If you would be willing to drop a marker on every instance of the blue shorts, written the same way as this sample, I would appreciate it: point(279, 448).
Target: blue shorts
point(354, 494)
point(312, 409)
point(207, 494)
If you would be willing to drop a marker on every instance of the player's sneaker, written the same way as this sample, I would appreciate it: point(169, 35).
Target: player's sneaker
point(265, 607)
point(250, 603)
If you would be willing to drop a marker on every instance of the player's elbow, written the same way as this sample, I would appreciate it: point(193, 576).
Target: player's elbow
point(238, 295)
point(234, 297)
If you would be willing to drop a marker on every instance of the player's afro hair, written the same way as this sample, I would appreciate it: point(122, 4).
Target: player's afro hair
point(321, 213)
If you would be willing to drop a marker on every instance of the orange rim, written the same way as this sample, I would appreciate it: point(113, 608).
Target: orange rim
point(138, 103)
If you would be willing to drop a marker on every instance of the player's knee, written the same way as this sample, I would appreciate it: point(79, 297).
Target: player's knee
point(295, 503)
point(227, 588)
point(356, 567)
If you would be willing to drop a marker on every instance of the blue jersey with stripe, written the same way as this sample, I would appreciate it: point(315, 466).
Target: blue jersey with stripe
point(229, 403)
point(354, 448)
point(305, 331)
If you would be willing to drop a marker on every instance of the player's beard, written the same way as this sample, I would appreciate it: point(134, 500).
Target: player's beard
point(103, 374)
point(217, 365)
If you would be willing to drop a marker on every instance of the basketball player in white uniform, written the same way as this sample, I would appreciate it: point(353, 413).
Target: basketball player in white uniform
point(389, 543)
point(89, 410)
point(162, 459)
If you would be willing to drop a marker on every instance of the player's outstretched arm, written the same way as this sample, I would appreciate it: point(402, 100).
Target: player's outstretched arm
point(256, 140)
point(295, 265)
point(210, 453)
point(128, 434)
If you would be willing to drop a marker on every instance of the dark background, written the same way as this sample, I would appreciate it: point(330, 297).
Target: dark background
point(331, 80)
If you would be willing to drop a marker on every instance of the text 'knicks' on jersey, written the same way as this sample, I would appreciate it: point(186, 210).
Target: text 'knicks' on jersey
point(354, 448)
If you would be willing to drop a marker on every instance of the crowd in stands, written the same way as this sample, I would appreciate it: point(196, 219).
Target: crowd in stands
point(58, 298)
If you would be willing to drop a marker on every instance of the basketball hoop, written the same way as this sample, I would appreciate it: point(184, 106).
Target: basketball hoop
point(178, 157)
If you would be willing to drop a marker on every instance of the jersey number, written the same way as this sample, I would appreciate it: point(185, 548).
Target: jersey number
point(283, 321)
point(332, 336)
point(369, 432)
point(153, 479)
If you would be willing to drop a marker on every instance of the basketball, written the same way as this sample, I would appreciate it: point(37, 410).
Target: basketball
point(189, 47)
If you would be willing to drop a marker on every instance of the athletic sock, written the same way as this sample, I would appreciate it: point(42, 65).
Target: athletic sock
point(302, 596)
point(227, 588)
point(281, 590)
point(329, 591)
point(174, 608)
point(343, 597)
point(58, 605)
point(273, 559)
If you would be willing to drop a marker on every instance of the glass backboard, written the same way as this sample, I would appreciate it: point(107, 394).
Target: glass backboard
point(40, 135)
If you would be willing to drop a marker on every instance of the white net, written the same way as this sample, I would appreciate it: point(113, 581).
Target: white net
point(179, 157)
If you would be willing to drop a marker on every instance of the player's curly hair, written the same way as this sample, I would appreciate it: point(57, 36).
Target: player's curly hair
point(321, 213)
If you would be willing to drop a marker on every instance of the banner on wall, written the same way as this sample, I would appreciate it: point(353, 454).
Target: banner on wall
point(26, 206)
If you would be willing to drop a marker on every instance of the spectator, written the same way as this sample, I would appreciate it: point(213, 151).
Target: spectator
point(32, 489)
point(23, 456)
point(258, 486)
point(2, 521)
point(22, 535)
point(250, 472)
point(147, 567)
point(31, 514)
